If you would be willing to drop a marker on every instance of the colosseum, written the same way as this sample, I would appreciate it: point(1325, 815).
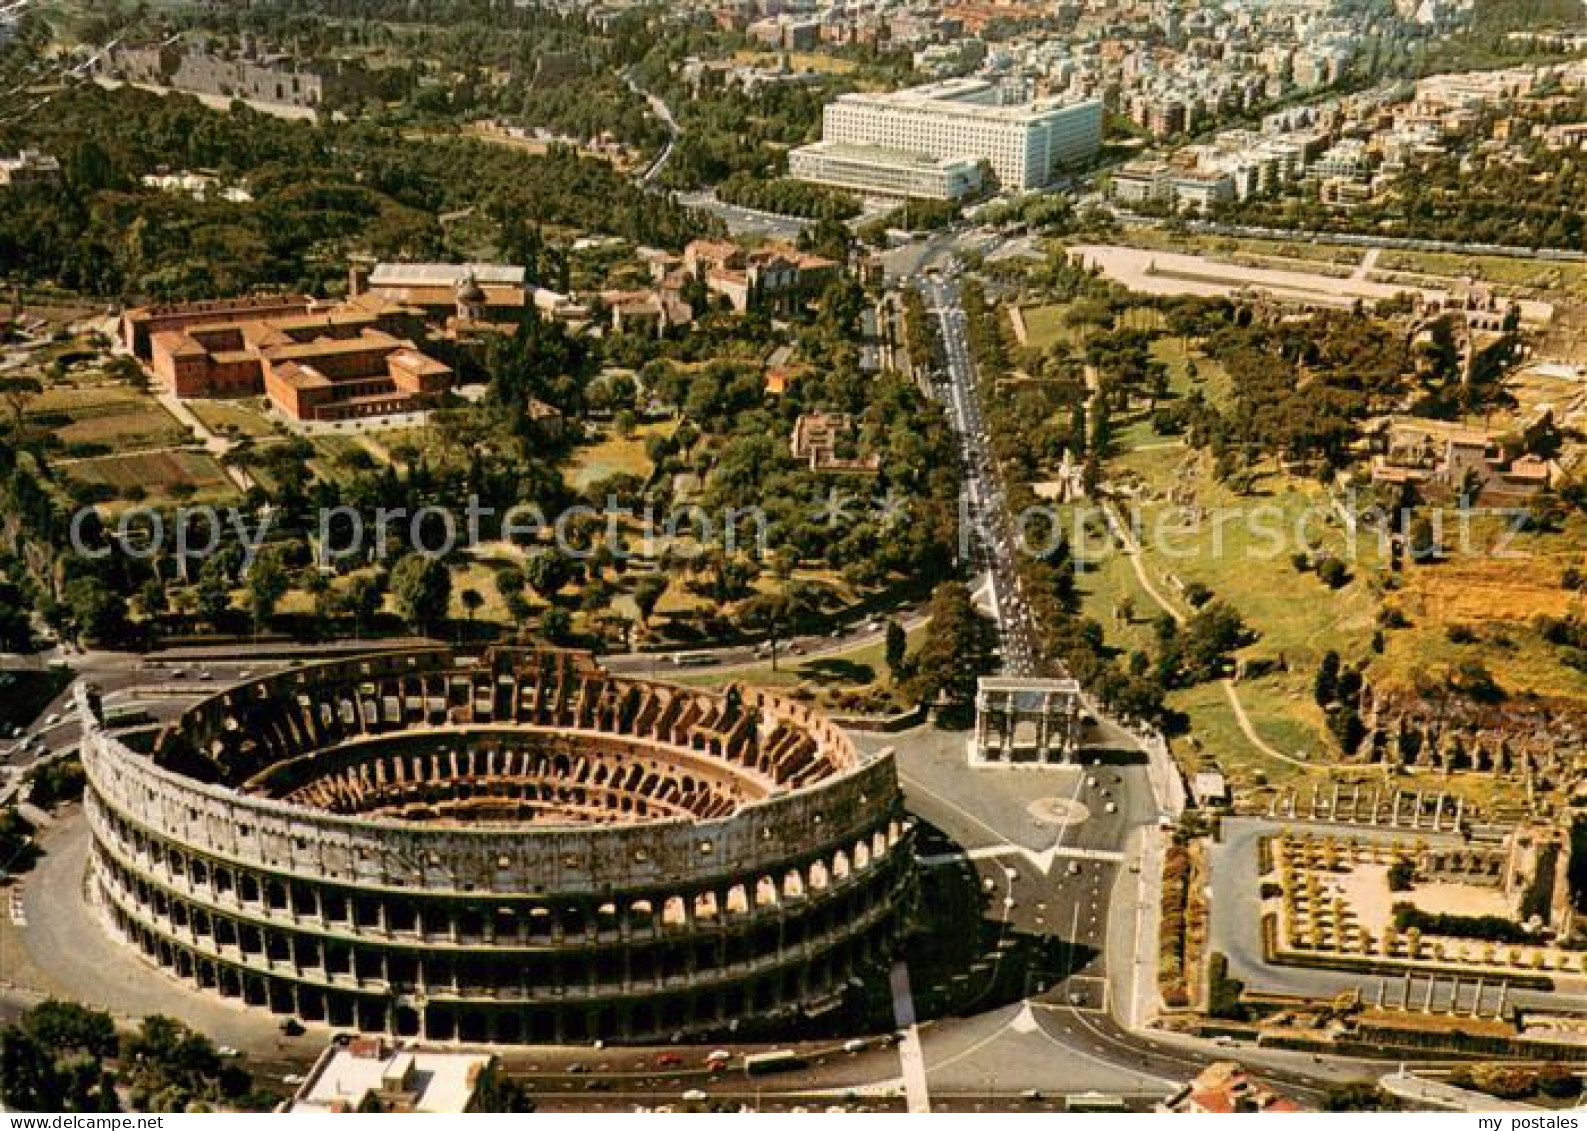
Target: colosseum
point(509, 847)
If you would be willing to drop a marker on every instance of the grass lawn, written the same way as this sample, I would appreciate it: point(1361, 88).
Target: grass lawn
point(1044, 325)
point(1497, 269)
point(239, 418)
point(798, 61)
point(615, 455)
point(1229, 247)
point(854, 668)
point(1210, 376)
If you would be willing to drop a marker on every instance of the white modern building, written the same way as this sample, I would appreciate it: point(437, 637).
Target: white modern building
point(874, 169)
point(968, 119)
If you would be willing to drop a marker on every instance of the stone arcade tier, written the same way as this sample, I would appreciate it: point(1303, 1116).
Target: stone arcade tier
point(513, 847)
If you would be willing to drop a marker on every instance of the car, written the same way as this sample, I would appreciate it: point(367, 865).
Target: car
point(292, 1078)
point(854, 1045)
point(1074, 867)
point(52, 720)
point(718, 1056)
point(227, 1052)
point(668, 1060)
point(577, 1069)
point(205, 674)
point(694, 1096)
point(292, 1027)
point(1077, 999)
point(178, 673)
point(1111, 807)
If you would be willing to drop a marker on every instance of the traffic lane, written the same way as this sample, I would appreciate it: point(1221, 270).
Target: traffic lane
point(794, 650)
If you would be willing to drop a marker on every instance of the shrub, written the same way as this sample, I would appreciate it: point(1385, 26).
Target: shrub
point(1558, 1082)
point(1488, 928)
point(1223, 992)
point(1333, 573)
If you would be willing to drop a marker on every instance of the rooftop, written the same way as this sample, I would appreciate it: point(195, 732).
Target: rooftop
point(426, 1082)
point(884, 155)
point(445, 274)
point(963, 98)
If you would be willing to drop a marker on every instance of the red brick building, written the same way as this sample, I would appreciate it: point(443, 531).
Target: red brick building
point(341, 363)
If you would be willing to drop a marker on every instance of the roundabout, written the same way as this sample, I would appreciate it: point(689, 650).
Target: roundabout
point(1059, 812)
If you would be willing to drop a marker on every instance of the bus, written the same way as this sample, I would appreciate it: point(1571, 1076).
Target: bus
point(1094, 1101)
point(782, 1060)
point(691, 659)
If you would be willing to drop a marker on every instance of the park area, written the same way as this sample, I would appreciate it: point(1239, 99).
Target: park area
point(1404, 903)
point(611, 453)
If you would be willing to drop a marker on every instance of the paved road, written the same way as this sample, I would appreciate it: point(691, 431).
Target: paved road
point(664, 112)
point(746, 221)
point(990, 534)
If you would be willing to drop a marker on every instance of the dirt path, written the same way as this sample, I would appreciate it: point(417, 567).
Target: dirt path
point(1132, 550)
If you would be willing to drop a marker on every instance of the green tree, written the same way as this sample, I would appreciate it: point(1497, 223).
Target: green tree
point(547, 572)
point(1326, 687)
point(896, 649)
point(97, 612)
point(421, 585)
point(472, 602)
point(648, 591)
point(955, 652)
point(1358, 1095)
point(767, 613)
point(214, 591)
point(556, 625)
point(267, 584)
point(364, 595)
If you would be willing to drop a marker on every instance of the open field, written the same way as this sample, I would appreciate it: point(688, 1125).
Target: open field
point(1044, 327)
point(156, 472)
point(1231, 247)
point(1171, 273)
point(110, 416)
point(1502, 271)
point(240, 418)
point(798, 61)
point(615, 455)
point(1044, 324)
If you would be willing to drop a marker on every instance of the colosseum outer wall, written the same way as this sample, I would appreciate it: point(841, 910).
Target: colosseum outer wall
point(624, 930)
